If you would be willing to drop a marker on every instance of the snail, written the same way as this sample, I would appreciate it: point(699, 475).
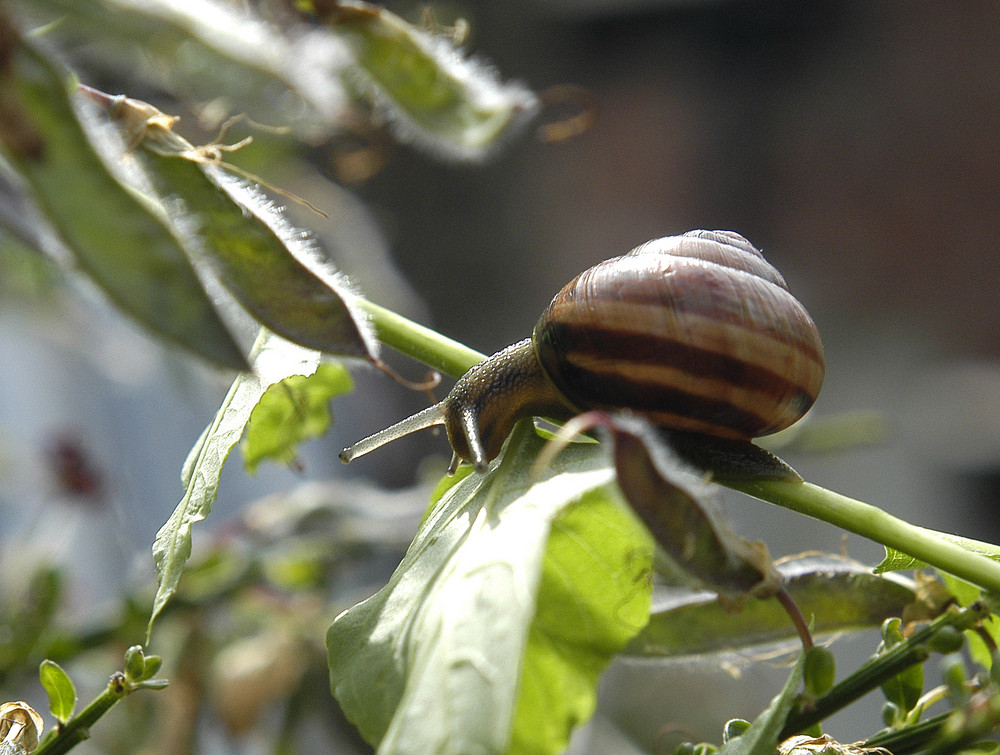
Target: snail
point(696, 333)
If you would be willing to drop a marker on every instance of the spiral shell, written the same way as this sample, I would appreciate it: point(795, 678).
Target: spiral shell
point(695, 332)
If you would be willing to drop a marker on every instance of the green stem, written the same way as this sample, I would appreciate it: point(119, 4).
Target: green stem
point(875, 524)
point(453, 358)
point(420, 342)
point(77, 729)
point(880, 669)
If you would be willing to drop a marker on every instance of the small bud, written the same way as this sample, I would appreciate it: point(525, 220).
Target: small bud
point(891, 714)
point(135, 663)
point(819, 670)
point(734, 728)
point(153, 663)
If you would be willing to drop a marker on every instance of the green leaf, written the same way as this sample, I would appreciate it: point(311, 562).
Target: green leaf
point(274, 359)
point(118, 239)
point(59, 687)
point(291, 411)
point(896, 560)
point(762, 736)
point(966, 593)
point(207, 51)
point(433, 661)
point(269, 267)
point(683, 512)
point(835, 593)
point(903, 689)
point(592, 599)
point(432, 94)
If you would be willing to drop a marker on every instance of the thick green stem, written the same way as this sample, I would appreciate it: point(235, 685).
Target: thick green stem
point(875, 524)
point(420, 342)
point(453, 358)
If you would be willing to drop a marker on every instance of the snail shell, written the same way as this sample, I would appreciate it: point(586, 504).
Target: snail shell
point(694, 332)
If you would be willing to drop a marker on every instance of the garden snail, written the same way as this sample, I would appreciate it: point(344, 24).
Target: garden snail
point(696, 333)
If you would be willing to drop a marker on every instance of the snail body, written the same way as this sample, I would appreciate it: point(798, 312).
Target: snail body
point(694, 332)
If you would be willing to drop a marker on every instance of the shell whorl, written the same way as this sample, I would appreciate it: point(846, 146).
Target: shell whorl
point(696, 332)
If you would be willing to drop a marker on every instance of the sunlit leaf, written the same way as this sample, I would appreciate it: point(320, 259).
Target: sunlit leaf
point(593, 597)
point(431, 92)
point(120, 241)
point(59, 687)
point(433, 661)
point(835, 593)
point(268, 266)
point(273, 359)
point(291, 411)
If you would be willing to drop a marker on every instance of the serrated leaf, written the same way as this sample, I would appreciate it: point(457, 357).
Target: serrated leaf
point(432, 94)
point(896, 560)
point(433, 661)
point(274, 359)
point(59, 687)
point(269, 267)
point(291, 411)
point(762, 736)
point(835, 593)
point(119, 241)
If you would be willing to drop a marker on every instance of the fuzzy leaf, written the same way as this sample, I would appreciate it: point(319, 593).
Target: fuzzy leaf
point(903, 689)
point(269, 267)
point(59, 687)
point(117, 239)
point(291, 411)
point(433, 662)
point(429, 91)
point(210, 51)
point(274, 359)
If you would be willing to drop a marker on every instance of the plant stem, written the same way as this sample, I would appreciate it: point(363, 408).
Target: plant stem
point(453, 358)
point(875, 524)
point(77, 729)
point(897, 659)
point(420, 342)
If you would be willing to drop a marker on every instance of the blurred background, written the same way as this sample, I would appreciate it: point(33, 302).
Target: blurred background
point(856, 143)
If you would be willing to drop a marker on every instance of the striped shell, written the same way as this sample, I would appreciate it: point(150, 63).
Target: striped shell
point(695, 332)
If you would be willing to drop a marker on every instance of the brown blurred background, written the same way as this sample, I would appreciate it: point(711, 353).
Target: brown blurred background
point(856, 143)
